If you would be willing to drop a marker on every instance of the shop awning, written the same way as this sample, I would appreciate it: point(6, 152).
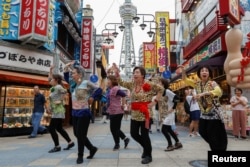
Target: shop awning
point(9, 76)
point(213, 62)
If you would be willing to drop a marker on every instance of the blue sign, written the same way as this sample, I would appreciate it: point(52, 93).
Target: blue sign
point(94, 78)
point(166, 74)
point(9, 19)
point(52, 27)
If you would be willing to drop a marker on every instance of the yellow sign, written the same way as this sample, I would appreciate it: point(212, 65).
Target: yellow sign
point(162, 40)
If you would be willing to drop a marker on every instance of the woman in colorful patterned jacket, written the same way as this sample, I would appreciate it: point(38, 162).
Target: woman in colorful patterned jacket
point(211, 126)
point(142, 92)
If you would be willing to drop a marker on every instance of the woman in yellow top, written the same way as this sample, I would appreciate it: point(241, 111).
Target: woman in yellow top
point(142, 92)
point(211, 126)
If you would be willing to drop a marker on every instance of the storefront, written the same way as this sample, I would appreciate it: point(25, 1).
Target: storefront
point(21, 68)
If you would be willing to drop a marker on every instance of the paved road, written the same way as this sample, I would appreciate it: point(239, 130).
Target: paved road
point(23, 152)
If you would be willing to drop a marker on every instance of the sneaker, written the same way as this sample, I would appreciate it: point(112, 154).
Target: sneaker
point(55, 149)
point(177, 145)
point(79, 160)
point(191, 135)
point(146, 160)
point(126, 141)
point(244, 138)
point(196, 134)
point(31, 137)
point(169, 148)
point(92, 152)
point(116, 147)
point(69, 146)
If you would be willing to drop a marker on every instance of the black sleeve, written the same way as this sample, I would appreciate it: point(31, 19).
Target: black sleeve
point(175, 100)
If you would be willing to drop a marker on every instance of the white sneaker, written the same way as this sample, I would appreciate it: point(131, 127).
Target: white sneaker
point(191, 135)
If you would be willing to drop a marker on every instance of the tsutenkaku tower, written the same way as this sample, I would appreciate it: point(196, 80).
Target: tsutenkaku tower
point(127, 57)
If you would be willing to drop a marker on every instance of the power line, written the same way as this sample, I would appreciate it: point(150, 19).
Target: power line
point(106, 13)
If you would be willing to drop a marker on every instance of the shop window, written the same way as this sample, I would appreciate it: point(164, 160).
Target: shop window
point(210, 16)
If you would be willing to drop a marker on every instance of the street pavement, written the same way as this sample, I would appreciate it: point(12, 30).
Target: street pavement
point(19, 151)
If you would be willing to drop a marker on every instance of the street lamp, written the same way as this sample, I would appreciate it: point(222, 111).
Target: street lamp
point(143, 25)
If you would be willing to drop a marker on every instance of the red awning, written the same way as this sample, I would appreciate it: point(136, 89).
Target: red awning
point(9, 76)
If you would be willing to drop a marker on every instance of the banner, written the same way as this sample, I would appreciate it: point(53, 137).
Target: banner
point(162, 40)
point(86, 47)
point(34, 20)
point(149, 55)
point(9, 12)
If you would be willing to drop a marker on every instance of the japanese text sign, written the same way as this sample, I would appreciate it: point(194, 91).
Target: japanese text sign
point(86, 47)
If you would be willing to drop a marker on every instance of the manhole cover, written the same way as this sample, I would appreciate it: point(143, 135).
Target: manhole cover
point(198, 163)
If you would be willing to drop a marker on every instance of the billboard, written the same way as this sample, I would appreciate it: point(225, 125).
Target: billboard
point(9, 18)
point(162, 40)
point(105, 44)
point(149, 55)
point(86, 47)
point(33, 23)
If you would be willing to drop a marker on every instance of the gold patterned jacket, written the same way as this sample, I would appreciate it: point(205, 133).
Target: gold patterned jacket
point(141, 96)
point(206, 103)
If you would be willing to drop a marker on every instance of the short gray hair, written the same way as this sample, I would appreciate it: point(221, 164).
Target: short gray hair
point(80, 70)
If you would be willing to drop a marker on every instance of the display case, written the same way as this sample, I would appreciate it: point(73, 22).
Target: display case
point(16, 109)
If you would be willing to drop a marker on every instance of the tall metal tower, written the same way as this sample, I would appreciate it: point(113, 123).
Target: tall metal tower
point(127, 58)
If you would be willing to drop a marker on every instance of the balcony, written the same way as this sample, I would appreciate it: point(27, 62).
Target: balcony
point(210, 32)
point(186, 5)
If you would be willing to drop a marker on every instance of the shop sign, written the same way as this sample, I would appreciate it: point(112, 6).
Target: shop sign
point(34, 20)
point(230, 9)
point(9, 13)
point(162, 40)
point(61, 66)
point(50, 45)
point(25, 59)
point(149, 54)
point(105, 44)
point(86, 47)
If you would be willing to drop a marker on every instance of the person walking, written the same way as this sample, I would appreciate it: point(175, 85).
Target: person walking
point(83, 95)
point(57, 93)
point(38, 110)
point(239, 104)
point(142, 92)
point(194, 113)
point(211, 126)
point(169, 117)
point(116, 111)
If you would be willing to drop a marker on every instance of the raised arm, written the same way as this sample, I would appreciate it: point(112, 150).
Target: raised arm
point(188, 81)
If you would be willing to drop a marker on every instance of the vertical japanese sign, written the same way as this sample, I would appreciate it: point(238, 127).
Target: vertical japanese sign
point(50, 45)
point(149, 55)
point(230, 9)
point(41, 17)
point(162, 40)
point(87, 30)
point(34, 19)
point(9, 17)
point(26, 19)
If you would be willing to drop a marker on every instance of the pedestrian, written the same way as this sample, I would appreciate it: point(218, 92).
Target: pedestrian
point(105, 114)
point(83, 95)
point(37, 114)
point(239, 106)
point(211, 126)
point(57, 109)
point(194, 113)
point(142, 92)
point(115, 109)
point(169, 117)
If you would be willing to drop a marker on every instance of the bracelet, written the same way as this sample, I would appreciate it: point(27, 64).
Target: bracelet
point(156, 100)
